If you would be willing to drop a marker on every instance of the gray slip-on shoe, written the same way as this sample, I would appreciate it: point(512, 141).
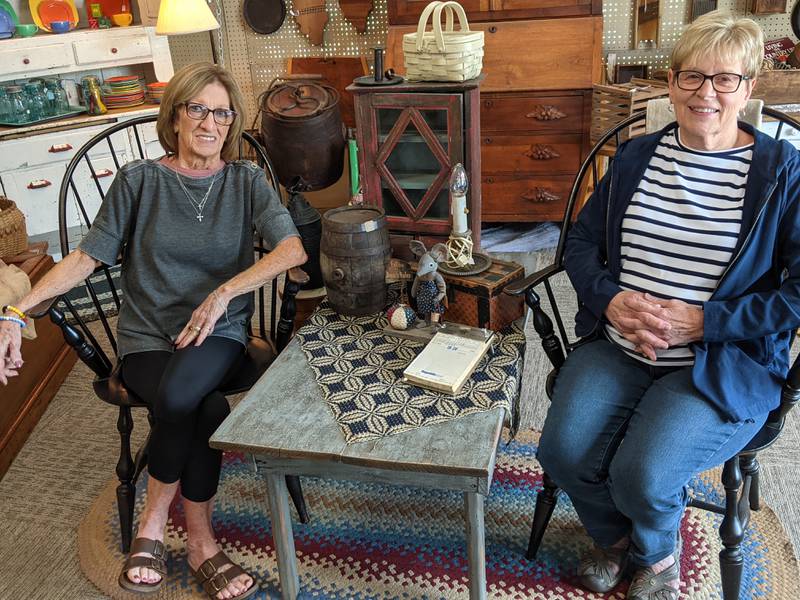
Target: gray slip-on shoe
point(596, 571)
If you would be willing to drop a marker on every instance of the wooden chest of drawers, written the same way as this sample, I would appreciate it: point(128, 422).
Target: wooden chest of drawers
point(535, 108)
point(531, 147)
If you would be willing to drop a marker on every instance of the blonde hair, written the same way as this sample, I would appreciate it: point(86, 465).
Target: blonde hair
point(718, 34)
point(185, 85)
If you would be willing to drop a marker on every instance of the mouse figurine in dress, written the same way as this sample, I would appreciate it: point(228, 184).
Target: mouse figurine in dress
point(429, 288)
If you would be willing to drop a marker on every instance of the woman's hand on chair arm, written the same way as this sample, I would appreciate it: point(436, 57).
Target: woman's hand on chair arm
point(287, 254)
point(65, 275)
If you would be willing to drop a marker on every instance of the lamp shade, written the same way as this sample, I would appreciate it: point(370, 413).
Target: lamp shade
point(184, 16)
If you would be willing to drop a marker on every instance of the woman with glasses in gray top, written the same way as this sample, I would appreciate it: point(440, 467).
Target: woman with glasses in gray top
point(186, 223)
point(686, 261)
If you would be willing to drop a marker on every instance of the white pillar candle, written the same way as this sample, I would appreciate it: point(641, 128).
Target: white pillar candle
point(458, 209)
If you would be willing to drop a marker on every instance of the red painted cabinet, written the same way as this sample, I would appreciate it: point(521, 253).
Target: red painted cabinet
point(409, 138)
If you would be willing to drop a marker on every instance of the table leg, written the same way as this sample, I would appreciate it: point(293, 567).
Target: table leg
point(282, 535)
point(476, 545)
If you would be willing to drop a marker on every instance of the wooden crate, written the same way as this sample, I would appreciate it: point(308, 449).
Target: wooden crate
point(612, 104)
point(778, 87)
point(479, 301)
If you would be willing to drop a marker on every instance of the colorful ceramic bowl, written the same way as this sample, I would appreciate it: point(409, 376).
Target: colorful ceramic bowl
point(26, 29)
point(60, 26)
point(122, 19)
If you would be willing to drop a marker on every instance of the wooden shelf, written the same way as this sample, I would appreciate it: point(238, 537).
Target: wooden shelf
point(10, 133)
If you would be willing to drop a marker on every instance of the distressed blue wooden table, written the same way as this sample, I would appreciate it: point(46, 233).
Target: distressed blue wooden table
point(284, 422)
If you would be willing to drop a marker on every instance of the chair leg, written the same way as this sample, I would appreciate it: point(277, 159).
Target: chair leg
point(750, 468)
point(126, 491)
point(545, 504)
point(731, 532)
point(296, 492)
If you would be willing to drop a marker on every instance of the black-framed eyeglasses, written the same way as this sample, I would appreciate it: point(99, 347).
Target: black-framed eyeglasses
point(222, 116)
point(724, 83)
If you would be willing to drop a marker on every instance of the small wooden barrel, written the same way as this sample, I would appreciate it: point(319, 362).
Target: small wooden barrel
point(354, 253)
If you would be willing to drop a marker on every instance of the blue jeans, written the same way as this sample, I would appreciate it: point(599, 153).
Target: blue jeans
point(623, 439)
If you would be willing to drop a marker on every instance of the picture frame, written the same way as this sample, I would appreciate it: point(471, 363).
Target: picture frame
point(767, 7)
point(624, 73)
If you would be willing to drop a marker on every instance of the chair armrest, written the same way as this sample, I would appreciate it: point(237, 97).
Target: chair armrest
point(790, 395)
point(542, 322)
point(298, 276)
point(517, 288)
point(93, 357)
point(295, 278)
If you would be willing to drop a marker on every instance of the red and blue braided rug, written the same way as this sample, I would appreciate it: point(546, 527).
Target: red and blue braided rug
point(369, 541)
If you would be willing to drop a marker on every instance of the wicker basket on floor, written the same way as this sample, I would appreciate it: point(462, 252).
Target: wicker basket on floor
point(612, 104)
point(13, 236)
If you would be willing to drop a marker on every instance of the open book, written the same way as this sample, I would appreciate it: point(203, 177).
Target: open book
point(446, 362)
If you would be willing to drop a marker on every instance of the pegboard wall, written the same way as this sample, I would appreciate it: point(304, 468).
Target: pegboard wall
point(256, 59)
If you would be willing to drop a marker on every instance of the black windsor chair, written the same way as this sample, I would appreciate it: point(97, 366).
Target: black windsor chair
point(82, 190)
point(739, 474)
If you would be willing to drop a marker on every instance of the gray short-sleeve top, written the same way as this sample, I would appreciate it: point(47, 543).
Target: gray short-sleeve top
point(172, 261)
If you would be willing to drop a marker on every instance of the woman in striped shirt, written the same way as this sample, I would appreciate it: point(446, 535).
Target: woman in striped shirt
point(686, 261)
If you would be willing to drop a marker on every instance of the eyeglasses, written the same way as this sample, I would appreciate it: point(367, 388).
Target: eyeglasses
point(724, 83)
point(222, 116)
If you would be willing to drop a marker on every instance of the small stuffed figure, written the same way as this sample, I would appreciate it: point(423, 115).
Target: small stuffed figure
point(429, 288)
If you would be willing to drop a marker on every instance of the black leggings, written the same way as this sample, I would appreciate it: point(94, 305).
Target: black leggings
point(181, 389)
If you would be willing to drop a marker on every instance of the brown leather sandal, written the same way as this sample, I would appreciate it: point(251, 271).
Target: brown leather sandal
point(214, 579)
point(156, 562)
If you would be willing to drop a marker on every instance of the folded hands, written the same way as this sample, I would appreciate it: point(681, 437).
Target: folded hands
point(652, 323)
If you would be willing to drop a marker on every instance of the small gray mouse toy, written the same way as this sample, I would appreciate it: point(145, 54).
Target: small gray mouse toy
point(429, 288)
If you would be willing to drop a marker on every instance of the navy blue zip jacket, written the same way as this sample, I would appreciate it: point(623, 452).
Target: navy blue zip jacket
point(743, 359)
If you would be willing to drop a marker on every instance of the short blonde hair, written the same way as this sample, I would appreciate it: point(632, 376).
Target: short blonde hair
point(185, 85)
point(721, 35)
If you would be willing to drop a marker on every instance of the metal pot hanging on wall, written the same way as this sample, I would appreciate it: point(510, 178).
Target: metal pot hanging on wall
point(303, 133)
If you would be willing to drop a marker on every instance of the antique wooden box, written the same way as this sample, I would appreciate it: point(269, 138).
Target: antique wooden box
point(479, 301)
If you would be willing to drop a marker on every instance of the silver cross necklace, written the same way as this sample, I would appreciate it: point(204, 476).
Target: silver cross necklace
point(197, 206)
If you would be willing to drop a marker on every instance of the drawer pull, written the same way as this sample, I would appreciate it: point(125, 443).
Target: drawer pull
point(38, 184)
point(103, 173)
point(114, 51)
point(60, 148)
point(540, 194)
point(489, 103)
point(26, 61)
point(545, 112)
point(541, 152)
point(493, 29)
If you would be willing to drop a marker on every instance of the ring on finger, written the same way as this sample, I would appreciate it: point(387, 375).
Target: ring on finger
point(195, 328)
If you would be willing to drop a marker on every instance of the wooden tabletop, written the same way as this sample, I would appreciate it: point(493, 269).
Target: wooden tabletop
point(284, 419)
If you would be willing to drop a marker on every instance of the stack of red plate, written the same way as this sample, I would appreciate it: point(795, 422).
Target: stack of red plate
point(123, 92)
point(155, 91)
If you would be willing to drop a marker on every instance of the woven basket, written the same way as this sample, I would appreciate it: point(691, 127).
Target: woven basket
point(13, 236)
point(443, 55)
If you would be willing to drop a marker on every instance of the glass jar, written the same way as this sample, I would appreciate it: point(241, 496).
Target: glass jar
point(92, 96)
point(19, 104)
point(37, 103)
point(5, 106)
point(56, 97)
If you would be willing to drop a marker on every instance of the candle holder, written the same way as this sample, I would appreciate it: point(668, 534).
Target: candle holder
point(460, 259)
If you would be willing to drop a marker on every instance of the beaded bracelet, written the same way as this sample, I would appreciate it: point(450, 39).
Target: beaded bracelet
point(16, 320)
point(15, 310)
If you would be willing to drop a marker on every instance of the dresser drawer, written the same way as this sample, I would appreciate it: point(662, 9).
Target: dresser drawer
point(18, 61)
point(103, 49)
point(546, 153)
point(532, 112)
point(48, 148)
point(407, 12)
point(524, 198)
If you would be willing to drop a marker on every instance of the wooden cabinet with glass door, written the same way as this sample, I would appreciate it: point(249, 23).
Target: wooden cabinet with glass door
point(409, 137)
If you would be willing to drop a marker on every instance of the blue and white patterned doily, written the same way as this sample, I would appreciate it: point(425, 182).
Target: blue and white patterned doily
point(360, 371)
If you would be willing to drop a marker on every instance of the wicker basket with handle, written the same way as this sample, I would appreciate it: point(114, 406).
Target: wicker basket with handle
point(13, 236)
point(443, 54)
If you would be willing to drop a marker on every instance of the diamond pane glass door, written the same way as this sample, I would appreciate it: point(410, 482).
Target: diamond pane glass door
point(418, 142)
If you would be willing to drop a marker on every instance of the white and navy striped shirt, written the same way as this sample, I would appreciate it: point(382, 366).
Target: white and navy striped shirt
point(680, 229)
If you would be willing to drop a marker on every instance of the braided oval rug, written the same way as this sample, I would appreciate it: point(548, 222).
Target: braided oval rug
point(369, 541)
